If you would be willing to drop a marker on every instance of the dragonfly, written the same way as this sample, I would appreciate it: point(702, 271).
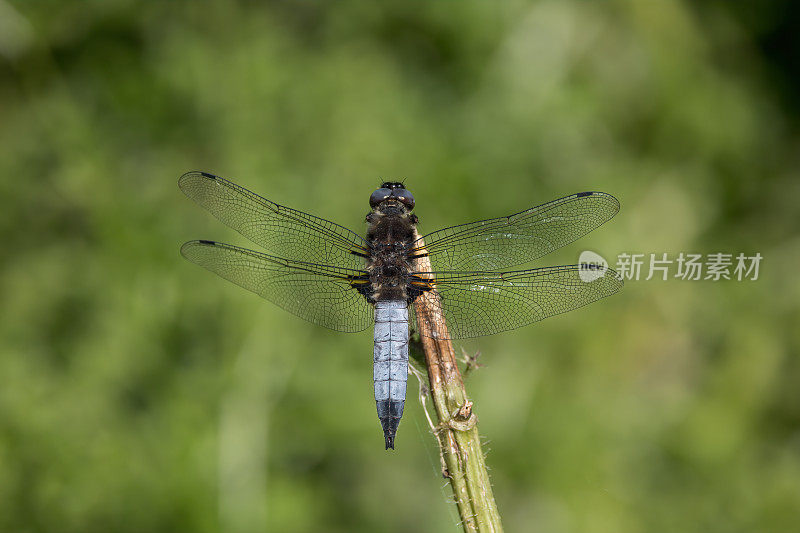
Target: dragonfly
point(335, 278)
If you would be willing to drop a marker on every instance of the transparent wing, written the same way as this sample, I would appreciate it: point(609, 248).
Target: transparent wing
point(281, 230)
point(322, 294)
point(474, 304)
point(507, 241)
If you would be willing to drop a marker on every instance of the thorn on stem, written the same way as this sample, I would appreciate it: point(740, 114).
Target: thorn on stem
point(464, 412)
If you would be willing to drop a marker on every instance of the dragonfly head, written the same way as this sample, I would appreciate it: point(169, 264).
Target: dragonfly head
point(392, 196)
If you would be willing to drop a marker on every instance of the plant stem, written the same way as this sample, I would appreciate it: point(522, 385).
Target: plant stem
point(457, 431)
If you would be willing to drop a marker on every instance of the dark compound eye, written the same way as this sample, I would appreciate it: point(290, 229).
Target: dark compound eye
point(405, 197)
point(378, 196)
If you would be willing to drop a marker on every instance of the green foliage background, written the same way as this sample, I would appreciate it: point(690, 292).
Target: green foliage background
point(140, 393)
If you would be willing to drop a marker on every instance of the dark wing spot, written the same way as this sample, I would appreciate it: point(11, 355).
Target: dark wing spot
point(583, 194)
point(209, 176)
point(210, 243)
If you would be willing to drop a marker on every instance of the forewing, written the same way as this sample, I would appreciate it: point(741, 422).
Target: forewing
point(280, 230)
point(503, 242)
point(322, 294)
point(474, 304)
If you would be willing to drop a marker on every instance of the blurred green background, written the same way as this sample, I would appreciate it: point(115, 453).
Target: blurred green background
point(141, 393)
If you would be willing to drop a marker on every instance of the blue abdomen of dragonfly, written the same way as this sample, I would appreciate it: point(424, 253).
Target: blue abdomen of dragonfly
point(390, 364)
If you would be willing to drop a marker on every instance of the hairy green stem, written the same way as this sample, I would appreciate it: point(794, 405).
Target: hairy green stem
point(457, 432)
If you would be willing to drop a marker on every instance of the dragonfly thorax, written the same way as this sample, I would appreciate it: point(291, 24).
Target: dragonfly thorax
point(389, 238)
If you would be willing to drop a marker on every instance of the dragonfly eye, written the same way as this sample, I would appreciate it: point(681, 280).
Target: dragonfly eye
point(379, 196)
point(405, 197)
